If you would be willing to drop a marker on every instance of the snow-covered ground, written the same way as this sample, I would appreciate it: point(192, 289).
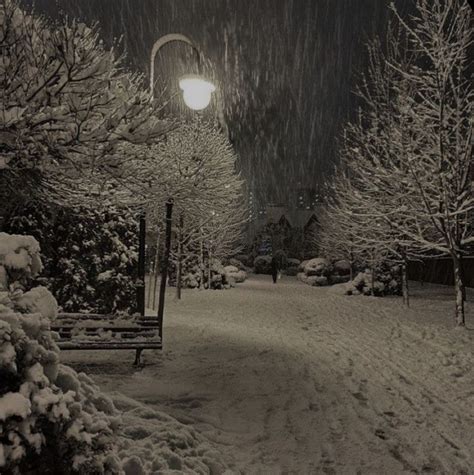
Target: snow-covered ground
point(289, 378)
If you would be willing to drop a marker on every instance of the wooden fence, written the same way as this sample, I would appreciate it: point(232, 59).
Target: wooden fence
point(440, 271)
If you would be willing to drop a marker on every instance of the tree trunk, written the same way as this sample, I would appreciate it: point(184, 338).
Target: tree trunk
point(209, 272)
point(179, 267)
point(150, 283)
point(373, 280)
point(201, 262)
point(156, 267)
point(461, 271)
point(141, 264)
point(351, 261)
point(152, 275)
point(404, 283)
point(458, 291)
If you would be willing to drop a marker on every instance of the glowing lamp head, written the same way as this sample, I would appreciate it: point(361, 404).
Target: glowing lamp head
point(196, 91)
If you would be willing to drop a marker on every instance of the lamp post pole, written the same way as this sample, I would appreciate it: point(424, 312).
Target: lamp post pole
point(197, 95)
point(169, 203)
point(164, 265)
point(141, 264)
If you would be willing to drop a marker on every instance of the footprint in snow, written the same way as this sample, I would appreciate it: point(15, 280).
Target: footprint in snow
point(360, 397)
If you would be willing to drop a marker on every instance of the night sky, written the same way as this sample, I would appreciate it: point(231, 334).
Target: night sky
point(286, 70)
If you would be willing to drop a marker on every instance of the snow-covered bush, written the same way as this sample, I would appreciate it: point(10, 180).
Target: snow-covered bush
point(90, 255)
point(231, 269)
point(313, 272)
point(234, 273)
point(301, 276)
point(218, 275)
point(233, 262)
point(293, 262)
point(338, 279)
point(263, 264)
point(317, 266)
point(239, 264)
point(377, 283)
point(313, 280)
point(245, 259)
point(191, 280)
point(220, 278)
point(365, 283)
point(292, 268)
point(50, 417)
point(19, 260)
point(302, 265)
point(342, 267)
point(291, 271)
point(317, 280)
point(54, 420)
point(320, 271)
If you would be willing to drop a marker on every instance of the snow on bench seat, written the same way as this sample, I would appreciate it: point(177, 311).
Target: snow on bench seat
point(78, 331)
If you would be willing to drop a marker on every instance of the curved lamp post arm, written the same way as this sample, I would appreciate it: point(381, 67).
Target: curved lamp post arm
point(159, 44)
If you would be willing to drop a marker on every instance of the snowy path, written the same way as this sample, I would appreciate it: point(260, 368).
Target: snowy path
point(288, 378)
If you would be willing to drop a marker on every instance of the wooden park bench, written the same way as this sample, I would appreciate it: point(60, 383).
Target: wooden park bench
point(79, 331)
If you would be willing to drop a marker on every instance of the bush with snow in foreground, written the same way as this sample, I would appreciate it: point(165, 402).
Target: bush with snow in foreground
point(53, 420)
point(234, 274)
point(49, 415)
point(315, 272)
point(364, 283)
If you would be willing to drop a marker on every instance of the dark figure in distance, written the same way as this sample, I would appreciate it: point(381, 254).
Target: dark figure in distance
point(275, 269)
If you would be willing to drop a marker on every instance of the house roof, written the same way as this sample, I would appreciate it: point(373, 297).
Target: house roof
point(297, 218)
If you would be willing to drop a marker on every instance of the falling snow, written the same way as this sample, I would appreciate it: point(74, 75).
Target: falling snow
point(285, 71)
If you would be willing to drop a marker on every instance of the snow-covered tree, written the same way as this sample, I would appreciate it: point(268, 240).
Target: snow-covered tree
point(70, 115)
point(196, 168)
point(439, 119)
point(408, 154)
point(337, 237)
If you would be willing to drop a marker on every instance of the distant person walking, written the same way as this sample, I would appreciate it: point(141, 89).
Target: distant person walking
point(275, 269)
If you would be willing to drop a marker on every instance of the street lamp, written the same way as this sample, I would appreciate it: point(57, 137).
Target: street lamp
point(196, 91)
point(197, 94)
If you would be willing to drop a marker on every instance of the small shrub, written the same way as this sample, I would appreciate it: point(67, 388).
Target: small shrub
point(317, 266)
point(291, 271)
point(263, 265)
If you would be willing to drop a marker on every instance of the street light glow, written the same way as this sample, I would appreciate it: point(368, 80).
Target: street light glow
point(196, 91)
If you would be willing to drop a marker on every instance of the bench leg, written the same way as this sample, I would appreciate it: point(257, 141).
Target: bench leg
point(137, 357)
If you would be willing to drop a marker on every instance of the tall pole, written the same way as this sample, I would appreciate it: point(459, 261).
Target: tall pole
point(141, 265)
point(164, 266)
point(169, 204)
